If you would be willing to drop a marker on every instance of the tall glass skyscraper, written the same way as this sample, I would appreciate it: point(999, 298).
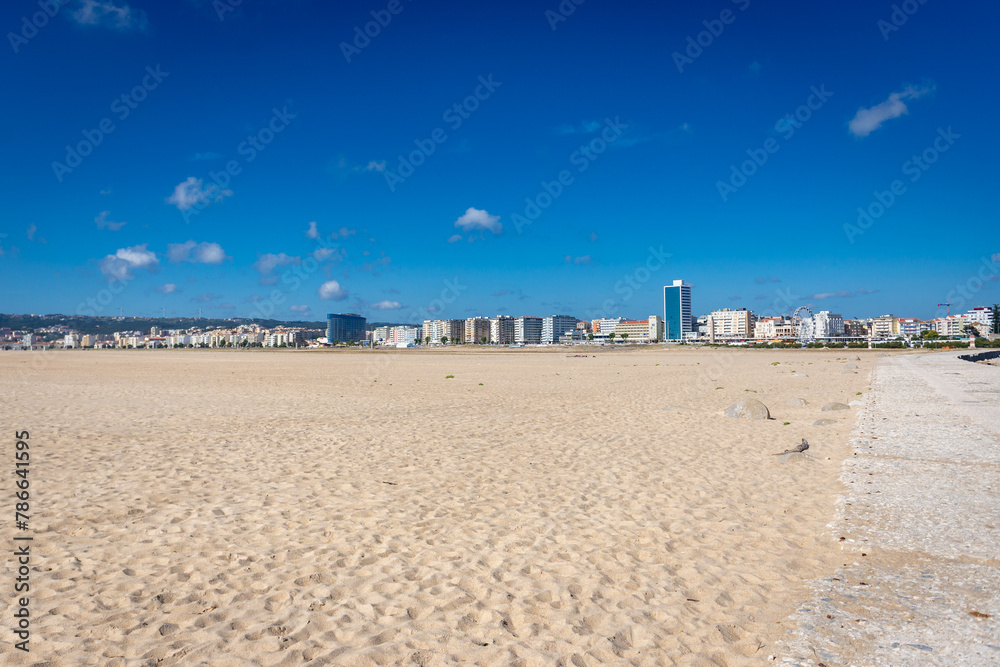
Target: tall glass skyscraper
point(345, 328)
point(676, 310)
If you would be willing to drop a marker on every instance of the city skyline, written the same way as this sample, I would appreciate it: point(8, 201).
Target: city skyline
point(775, 156)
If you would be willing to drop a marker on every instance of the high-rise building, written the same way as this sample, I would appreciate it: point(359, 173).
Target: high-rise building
point(554, 326)
point(477, 329)
point(345, 328)
point(677, 311)
point(454, 330)
point(528, 330)
point(502, 330)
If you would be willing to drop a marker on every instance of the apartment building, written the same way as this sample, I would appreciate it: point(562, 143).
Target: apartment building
point(502, 330)
point(827, 325)
point(856, 329)
point(729, 324)
point(454, 330)
point(641, 331)
point(952, 326)
point(981, 317)
point(477, 330)
point(911, 326)
point(528, 330)
point(605, 326)
point(554, 326)
point(886, 326)
point(435, 330)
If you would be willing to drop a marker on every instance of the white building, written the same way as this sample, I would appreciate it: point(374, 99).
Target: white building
point(403, 335)
point(729, 324)
point(555, 326)
point(605, 326)
point(981, 317)
point(827, 325)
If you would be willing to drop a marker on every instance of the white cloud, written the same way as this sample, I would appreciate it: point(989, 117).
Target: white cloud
point(312, 232)
point(169, 288)
point(103, 222)
point(386, 305)
point(475, 218)
point(190, 193)
point(332, 291)
point(585, 259)
point(199, 253)
point(299, 309)
point(375, 166)
point(110, 15)
point(323, 254)
point(454, 238)
point(343, 232)
point(32, 228)
point(867, 121)
point(267, 263)
point(120, 265)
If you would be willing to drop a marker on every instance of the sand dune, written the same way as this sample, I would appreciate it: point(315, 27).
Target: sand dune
point(276, 508)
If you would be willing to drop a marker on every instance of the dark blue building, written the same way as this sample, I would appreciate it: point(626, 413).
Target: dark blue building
point(345, 328)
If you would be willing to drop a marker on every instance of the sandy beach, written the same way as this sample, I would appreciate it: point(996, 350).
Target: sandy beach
point(276, 508)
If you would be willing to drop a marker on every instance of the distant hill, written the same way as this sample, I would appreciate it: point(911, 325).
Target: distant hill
point(109, 325)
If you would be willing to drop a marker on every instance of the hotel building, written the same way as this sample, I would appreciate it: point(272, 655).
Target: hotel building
point(677, 311)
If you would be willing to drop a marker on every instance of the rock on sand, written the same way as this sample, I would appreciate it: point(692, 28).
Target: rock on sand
point(748, 408)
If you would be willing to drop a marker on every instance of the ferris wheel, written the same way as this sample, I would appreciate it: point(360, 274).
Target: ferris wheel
point(803, 333)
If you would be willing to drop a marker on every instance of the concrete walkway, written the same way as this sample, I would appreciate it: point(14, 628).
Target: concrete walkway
point(919, 525)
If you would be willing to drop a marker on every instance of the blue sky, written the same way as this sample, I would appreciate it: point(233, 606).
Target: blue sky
point(270, 159)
